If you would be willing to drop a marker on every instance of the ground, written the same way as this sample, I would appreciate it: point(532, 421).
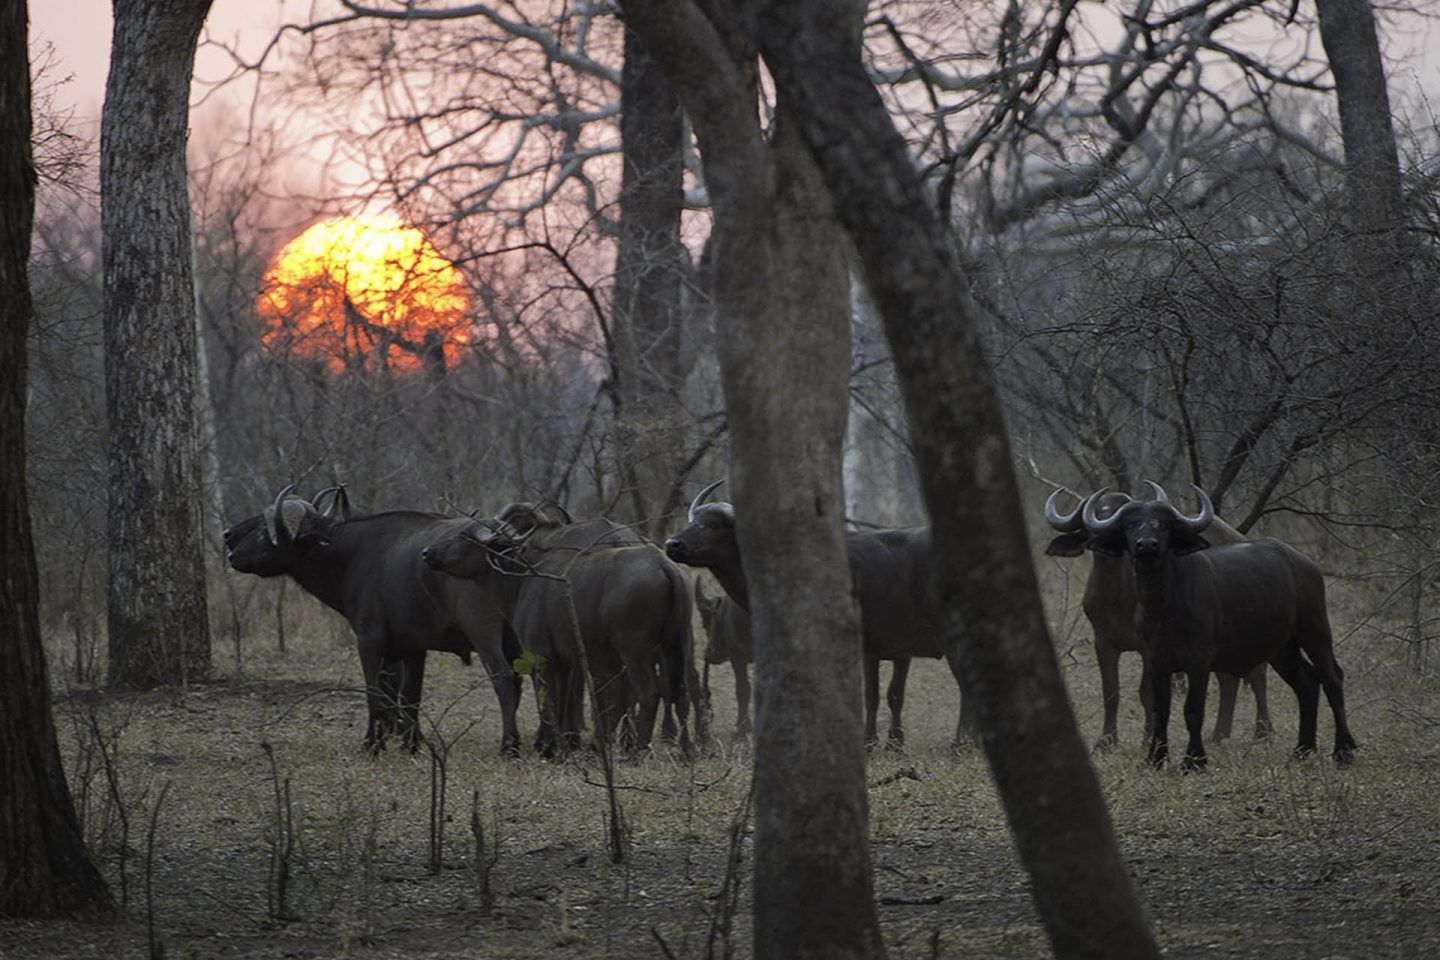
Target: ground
point(1260, 857)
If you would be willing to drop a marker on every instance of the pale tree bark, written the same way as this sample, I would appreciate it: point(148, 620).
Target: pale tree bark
point(650, 267)
point(1372, 164)
point(784, 332)
point(158, 628)
point(45, 870)
point(982, 566)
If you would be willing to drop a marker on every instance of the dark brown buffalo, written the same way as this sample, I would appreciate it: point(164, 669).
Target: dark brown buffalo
point(368, 569)
point(1203, 608)
point(888, 574)
point(1109, 605)
point(630, 605)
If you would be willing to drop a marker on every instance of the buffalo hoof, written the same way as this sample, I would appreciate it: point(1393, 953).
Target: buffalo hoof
point(1218, 734)
point(1344, 756)
point(373, 747)
point(1156, 757)
point(1106, 743)
point(896, 741)
point(1302, 753)
point(1263, 729)
point(1193, 765)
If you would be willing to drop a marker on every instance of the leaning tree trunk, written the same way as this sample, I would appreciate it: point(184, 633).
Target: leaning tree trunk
point(991, 599)
point(782, 296)
point(159, 631)
point(45, 870)
point(646, 359)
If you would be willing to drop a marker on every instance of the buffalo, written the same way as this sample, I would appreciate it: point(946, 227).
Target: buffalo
point(1109, 605)
point(368, 568)
point(630, 606)
point(888, 572)
point(1231, 607)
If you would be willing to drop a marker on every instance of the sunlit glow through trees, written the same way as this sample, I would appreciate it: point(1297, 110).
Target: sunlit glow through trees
point(361, 291)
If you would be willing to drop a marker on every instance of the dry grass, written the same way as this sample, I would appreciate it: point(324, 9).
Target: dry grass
point(1260, 857)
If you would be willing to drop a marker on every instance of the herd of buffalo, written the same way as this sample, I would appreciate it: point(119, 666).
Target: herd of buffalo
point(591, 607)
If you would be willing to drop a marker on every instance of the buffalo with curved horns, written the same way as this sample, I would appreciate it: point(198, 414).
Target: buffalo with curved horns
point(1109, 605)
point(631, 607)
point(368, 569)
point(888, 574)
point(1232, 607)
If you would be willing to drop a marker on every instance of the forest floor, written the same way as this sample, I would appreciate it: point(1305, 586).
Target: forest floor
point(1261, 857)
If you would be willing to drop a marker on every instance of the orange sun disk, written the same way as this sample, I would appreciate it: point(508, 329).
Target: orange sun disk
point(361, 291)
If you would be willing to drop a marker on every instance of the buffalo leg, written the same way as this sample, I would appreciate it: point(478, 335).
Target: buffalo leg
point(1225, 717)
point(742, 697)
point(379, 687)
point(1109, 660)
point(569, 708)
point(1259, 688)
point(640, 672)
point(1298, 673)
point(895, 700)
point(872, 699)
point(1147, 696)
point(1332, 678)
point(967, 728)
point(1195, 719)
point(1159, 745)
point(507, 691)
point(412, 682)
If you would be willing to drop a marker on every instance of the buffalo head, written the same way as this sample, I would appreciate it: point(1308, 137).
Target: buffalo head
point(1147, 530)
point(1071, 526)
point(709, 539)
point(269, 544)
point(487, 544)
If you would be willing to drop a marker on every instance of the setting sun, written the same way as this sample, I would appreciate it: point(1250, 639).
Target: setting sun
point(361, 291)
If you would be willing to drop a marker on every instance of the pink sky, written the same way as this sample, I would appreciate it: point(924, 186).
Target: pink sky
point(80, 33)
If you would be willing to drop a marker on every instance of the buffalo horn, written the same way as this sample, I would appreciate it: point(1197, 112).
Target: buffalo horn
point(319, 499)
point(1202, 519)
point(1064, 523)
point(700, 498)
point(272, 516)
point(1158, 490)
point(1087, 513)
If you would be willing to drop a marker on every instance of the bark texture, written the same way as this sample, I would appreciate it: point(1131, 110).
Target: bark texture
point(158, 627)
point(650, 266)
point(45, 870)
point(982, 563)
point(1372, 164)
point(782, 296)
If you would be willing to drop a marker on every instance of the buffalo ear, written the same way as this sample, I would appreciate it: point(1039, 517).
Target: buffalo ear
point(1067, 545)
point(1111, 544)
point(1182, 543)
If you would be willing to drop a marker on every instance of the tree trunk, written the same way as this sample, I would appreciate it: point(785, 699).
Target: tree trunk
point(649, 268)
point(783, 304)
point(159, 632)
point(990, 598)
point(45, 870)
point(1372, 165)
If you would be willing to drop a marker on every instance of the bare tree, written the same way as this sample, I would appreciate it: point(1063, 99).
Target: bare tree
point(1081, 886)
point(1372, 164)
point(45, 870)
point(158, 627)
point(780, 286)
